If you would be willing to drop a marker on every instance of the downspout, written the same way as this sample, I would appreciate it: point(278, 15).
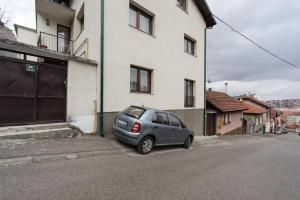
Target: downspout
point(205, 116)
point(101, 117)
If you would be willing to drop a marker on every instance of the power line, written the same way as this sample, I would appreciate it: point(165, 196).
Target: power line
point(256, 44)
point(292, 86)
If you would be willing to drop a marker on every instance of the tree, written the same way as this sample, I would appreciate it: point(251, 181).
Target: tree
point(4, 14)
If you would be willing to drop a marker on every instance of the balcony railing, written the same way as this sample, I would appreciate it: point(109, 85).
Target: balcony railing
point(55, 43)
point(189, 101)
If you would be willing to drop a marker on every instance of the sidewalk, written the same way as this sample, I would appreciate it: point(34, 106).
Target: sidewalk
point(33, 150)
point(80, 144)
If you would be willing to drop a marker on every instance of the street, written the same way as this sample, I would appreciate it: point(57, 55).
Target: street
point(235, 167)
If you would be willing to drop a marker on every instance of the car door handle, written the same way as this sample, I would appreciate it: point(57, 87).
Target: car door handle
point(156, 127)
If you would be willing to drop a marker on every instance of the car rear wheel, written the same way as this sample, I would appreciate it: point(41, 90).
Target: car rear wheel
point(146, 145)
point(188, 142)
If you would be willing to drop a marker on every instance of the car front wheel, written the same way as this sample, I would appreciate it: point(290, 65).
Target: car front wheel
point(146, 145)
point(188, 142)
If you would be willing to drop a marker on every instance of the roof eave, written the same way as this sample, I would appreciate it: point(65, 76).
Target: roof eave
point(206, 13)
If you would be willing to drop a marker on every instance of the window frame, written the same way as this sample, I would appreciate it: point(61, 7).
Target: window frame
point(193, 43)
point(185, 93)
point(155, 122)
point(140, 13)
point(138, 88)
point(181, 123)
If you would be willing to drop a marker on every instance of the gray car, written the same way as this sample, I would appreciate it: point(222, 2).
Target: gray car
point(147, 128)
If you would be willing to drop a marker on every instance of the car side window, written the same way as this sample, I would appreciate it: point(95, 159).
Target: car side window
point(174, 121)
point(160, 118)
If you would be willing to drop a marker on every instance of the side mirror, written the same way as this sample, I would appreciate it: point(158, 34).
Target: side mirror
point(184, 126)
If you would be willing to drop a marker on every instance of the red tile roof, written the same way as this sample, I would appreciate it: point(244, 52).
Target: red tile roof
point(223, 102)
point(253, 109)
point(256, 100)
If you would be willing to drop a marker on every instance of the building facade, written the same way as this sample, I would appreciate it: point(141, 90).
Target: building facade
point(224, 114)
point(153, 55)
point(257, 117)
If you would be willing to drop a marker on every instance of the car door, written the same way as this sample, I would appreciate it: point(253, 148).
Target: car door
point(178, 133)
point(161, 128)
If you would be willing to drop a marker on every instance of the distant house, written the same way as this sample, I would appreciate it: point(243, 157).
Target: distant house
point(6, 33)
point(257, 118)
point(224, 114)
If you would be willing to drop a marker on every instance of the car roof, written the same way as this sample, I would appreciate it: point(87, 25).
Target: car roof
point(150, 109)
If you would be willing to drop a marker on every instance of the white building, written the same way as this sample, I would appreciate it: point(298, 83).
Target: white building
point(153, 55)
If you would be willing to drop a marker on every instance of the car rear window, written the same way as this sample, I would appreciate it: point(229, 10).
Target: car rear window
point(134, 112)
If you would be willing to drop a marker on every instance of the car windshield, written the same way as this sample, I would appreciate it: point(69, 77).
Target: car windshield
point(134, 112)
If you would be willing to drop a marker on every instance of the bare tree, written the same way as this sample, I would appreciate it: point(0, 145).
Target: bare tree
point(4, 14)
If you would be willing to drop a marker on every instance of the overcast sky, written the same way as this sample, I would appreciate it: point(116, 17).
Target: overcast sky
point(272, 23)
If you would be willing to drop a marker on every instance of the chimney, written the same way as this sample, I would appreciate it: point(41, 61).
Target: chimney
point(209, 89)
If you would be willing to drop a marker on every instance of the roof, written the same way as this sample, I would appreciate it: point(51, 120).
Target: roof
point(224, 102)
point(253, 109)
point(206, 13)
point(6, 33)
point(256, 101)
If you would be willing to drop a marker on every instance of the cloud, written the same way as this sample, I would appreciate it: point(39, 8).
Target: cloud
point(265, 89)
point(273, 24)
point(22, 12)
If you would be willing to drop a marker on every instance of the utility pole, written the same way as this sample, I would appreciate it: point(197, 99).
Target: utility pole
point(226, 88)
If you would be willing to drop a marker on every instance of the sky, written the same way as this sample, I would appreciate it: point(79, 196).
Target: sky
point(230, 58)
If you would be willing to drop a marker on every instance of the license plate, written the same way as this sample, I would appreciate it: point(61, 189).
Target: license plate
point(122, 122)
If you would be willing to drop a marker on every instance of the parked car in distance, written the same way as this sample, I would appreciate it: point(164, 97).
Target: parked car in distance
point(281, 130)
point(146, 128)
point(278, 131)
point(285, 131)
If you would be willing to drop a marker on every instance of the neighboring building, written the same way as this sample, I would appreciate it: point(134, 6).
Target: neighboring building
point(6, 33)
point(257, 117)
point(224, 114)
point(153, 55)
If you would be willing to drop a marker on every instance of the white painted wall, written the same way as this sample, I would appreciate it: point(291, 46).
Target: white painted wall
point(81, 94)
point(26, 36)
point(163, 53)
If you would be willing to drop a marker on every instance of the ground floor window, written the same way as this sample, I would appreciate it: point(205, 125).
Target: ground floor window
point(189, 99)
point(140, 80)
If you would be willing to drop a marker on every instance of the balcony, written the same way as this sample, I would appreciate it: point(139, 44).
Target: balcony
point(51, 8)
point(56, 43)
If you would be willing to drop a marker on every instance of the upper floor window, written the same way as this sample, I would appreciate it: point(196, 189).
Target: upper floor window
point(140, 80)
point(189, 99)
point(140, 20)
point(80, 18)
point(189, 45)
point(182, 4)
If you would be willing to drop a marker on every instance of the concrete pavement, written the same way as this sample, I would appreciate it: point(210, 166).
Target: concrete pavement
point(233, 168)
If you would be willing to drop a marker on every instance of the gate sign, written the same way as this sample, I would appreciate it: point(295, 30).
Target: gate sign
point(30, 67)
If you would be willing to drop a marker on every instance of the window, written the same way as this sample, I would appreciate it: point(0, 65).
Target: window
point(140, 80)
point(82, 24)
point(174, 121)
point(189, 45)
point(227, 118)
point(140, 20)
point(134, 112)
point(80, 18)
point(182, 4)
point(160, 118)
point(189, 93)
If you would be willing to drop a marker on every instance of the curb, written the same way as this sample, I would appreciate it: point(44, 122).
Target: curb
point(58, 157)
point(43, 135)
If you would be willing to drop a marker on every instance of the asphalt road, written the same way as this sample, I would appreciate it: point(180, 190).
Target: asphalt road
point(246, 168)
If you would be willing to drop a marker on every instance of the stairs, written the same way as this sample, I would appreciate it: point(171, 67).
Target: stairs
point(41, 131)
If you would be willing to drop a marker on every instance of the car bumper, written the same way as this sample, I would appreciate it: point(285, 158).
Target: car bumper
point(125, 136)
